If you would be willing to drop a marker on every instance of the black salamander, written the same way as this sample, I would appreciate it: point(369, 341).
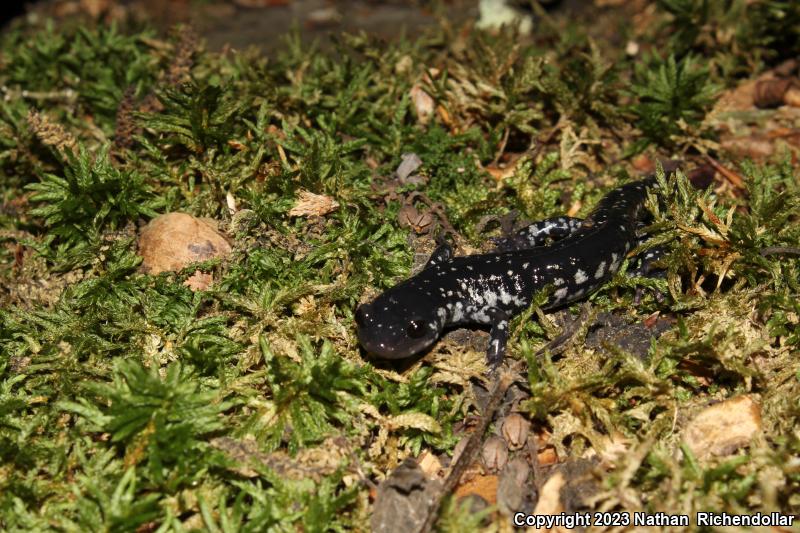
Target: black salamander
point(489, 289)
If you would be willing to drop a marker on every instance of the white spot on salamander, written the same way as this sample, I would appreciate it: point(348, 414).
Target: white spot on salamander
point(615, 262)
point(580, 277)
point(560, 293)
point(601, 270)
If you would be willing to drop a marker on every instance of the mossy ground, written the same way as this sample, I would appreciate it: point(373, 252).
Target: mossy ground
point(129, 402)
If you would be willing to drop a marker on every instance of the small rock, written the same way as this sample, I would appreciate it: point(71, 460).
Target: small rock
point(723, 428)
point(172, 241)
point(513, 488)
point(403, 499)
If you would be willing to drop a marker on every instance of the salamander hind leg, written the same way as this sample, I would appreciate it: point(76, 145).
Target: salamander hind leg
point(647, 268)
point(538, 234)
point(498, 337)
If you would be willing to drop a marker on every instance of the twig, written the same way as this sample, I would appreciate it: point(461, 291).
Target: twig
point(12, 93)
point(734, 178)
point(774, 250)
point(502, 148)
point(503, 380)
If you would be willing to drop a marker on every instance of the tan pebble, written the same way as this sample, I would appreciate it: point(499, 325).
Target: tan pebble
point(172, 241)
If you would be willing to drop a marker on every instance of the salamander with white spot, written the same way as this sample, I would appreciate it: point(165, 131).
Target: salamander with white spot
point(489, 289)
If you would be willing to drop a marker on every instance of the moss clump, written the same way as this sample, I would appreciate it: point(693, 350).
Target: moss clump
point(117, 387)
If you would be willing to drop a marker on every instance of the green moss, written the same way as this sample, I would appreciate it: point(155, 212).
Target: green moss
point(115, 384)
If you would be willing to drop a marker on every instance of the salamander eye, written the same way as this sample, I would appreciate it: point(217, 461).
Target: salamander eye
point(415, 329)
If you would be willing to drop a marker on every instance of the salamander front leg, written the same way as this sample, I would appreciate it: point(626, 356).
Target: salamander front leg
point(442, 254)
point(498, 337)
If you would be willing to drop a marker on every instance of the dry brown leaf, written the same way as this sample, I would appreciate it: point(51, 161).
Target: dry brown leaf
point(550, 499)
point(430, 464)
point(423, 104)
point(484, 486)
point(199, 281)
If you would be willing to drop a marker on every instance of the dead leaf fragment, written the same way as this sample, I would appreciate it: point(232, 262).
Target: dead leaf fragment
point(409, 164)
point(484, 486)
point(199, 281)
point(755, 147)
point(420, 222)
point(723, 428)
point(430, 464)
point(550, 498)
point(772, 92)
point(310, 204)
point(172, 241)
point(423, 104)
point(309, 463)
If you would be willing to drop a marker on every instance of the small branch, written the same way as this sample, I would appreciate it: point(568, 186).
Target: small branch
point(503, 380)
point(14, 93)
point(774, 250)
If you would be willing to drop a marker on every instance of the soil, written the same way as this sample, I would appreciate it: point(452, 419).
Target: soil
point(264, 24)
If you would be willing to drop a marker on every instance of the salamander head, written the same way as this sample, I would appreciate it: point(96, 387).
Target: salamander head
point(398, 324)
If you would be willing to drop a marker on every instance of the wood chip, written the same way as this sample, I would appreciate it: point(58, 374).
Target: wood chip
point(723, 428)
point(310, 204)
